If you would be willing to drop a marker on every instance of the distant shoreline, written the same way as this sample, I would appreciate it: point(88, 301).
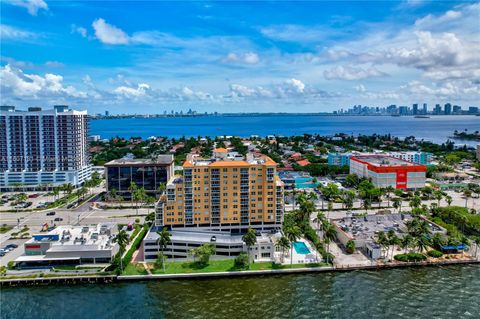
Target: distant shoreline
point(154, 116)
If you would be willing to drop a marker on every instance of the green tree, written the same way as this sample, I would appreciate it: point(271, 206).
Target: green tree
point(292, 232)
point(162, 241)
point(204, 252)
point(122, 240)
point(397, 204)
point(250, 239)
point(283, 243)
point(350, 246)
point(329, 234)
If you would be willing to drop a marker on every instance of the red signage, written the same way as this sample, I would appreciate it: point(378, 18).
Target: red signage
point(32, 246)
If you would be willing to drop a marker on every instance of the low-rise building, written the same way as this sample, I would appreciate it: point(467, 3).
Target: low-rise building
point(385, 171)
point(146, 173)
point(71, 245)
point(227, 245)
point(343, 159)
point(364, 230)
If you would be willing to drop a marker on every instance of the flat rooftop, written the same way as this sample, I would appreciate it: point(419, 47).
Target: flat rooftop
point(383, 160)
point(164, 159)
point(66, 238)
point(205, 237)
point(366, 228)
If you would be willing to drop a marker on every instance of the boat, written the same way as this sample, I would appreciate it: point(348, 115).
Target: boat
point(422, 117)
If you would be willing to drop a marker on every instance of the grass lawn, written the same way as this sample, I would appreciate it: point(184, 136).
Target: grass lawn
point(222, 265)
point(135, 269)
point(5, 228)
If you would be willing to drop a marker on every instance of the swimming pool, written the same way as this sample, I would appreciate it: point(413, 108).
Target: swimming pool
point(301, 248)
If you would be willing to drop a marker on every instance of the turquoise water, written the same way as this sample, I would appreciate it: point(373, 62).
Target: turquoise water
point(435, 128)
point(428, 292)
point(301, 248)
point(304, 182)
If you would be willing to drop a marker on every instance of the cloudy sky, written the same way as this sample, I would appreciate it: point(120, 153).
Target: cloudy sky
point(147, 57)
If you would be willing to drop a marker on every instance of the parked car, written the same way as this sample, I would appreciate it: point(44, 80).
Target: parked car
point(58, 219)
point(70, 205)
point(51, 213)
point(12, 246)
point(2, 252)
point(33, 196)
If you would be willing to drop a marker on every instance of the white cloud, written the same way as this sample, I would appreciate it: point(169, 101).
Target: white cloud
point(298, 33)
point(297, 85)
point(246, 58)
point(78, 29)
point(18, 84)
point(360, 88)
point(131, 92)
point(9, 32)
point(109, 34)
point(288, 89)
point(351, 73)
point(32, 6)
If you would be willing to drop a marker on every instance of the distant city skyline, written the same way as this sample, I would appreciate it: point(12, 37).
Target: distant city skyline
point(228, 57)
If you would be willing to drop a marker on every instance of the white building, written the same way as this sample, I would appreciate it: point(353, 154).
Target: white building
point(71, 245)
point(43, 147)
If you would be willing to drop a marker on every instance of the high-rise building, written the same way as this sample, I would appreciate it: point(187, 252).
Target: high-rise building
point(437, 110)
point(425, 111)
point(43, 147)
point(146, 173)
point(473, 110)
point(457, 109)
point(415, 109)
point(448, 109)
point(107, 113)
point(223, 194)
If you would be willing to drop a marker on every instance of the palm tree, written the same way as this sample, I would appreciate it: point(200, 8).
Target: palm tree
point(388, 191)
point(112, 194)
point(122, 239)
point(467, 193)
point(132, 188)
point(397, 204)
point(367, 204)
point(329, 207)
point(448, 199)
point(250, 239)
point(307, 207)
point(55, 192)
point(292, 232)
point(407, 242)
point(162, 242)
point(382, 240)
point(438, 195)
point(283, 243)
point(138, 195)
point(161, 188)
point(393, 240)
point(422, 243)
point(329, 234)
point(415, 202)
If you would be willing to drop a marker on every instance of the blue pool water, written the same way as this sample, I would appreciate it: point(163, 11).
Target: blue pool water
point(304, 182)
point(301, 248)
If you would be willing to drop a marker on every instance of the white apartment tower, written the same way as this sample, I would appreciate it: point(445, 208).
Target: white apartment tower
point(43, 147)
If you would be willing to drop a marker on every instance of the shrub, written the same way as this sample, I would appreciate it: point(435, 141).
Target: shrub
point(11, 265)
point(241, 261)
point(410, 257)
point(137, 221)
point(435, 253)
point(350, 247)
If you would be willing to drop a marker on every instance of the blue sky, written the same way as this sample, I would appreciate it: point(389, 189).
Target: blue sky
point(150, 56)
